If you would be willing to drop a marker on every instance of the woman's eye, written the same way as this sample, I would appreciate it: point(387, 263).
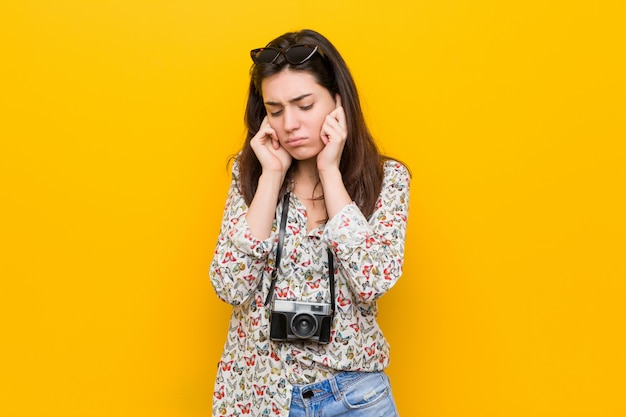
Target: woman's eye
point(307, 107)
point(276, 113)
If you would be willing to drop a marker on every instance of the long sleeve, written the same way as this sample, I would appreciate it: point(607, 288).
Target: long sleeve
point(371, 253)
point(239, 259)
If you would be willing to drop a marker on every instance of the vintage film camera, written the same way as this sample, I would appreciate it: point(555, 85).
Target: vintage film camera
point(301, 320)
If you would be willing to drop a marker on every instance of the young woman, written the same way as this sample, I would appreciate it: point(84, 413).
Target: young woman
point(312, 235)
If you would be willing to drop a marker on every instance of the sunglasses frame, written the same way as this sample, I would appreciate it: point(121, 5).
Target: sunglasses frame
point(284, 52)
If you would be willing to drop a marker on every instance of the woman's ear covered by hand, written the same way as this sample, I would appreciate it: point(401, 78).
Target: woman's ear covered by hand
point(333, 135)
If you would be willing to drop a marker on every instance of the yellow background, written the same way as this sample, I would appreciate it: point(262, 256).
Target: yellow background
point(116, 121)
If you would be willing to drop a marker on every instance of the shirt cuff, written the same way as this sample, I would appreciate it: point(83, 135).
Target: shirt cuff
point(242, 238)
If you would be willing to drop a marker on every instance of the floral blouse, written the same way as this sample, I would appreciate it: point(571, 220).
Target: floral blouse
point(255, 374)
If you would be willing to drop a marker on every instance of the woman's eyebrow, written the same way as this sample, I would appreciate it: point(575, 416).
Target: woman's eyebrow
point(293, 100)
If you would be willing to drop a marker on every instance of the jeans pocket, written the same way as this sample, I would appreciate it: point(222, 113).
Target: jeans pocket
point(368, 392)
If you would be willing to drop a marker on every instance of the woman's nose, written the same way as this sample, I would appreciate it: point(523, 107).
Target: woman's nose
point(291, 121)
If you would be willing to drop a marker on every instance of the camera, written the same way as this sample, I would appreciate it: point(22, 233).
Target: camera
point(300, 321)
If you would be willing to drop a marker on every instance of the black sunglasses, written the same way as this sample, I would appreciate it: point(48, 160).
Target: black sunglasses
point(296, 54)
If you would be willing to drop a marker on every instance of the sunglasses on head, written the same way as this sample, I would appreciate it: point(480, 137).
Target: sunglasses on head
point(296, 54)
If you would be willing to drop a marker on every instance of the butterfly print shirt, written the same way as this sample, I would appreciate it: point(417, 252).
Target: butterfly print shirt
point(255, 374)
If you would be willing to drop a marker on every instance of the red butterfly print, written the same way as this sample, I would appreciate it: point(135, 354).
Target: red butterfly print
point(282, 292)
point(259, 390)
point(366, 295)
point(250, 360)
point(274, 356)
point(240, 331)
point(219, 394)
point(228, 257)
point(249, 279)
point(370, 349)
point(342, 300)
point(314, 284)
point(245, 409)
point(355, 326)
point(259, 301)
point(345, 221)
point(226, 366)
point(255, 321)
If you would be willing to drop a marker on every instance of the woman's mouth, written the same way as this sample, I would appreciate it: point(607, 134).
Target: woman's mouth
point(295, 141)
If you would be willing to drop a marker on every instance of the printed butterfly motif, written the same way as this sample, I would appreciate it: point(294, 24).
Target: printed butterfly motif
point(219, 394)
point(238, 369)
point(226, 366)
point(240, 266)
point(245, 409)
point(228, 257)
point(259, 301)
point(284, 292)
point(365, 295)
point(341, 339)
point(350, 353)
point(309, 366)
point(250, 360)
point(370, 349)
point(342, 300)
point(263, 350)
point(294, 229)
point(249, 279)
point(258, 369)
point(314, 284)
point(336, 357)
point(240, 332)
point(260, 390)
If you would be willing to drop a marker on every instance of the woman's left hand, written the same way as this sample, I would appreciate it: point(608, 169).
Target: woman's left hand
point(334, 133)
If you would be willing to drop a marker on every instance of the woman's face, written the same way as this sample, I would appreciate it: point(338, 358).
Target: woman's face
point(296, 109)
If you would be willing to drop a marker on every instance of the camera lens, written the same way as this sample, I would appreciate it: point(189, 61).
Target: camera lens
point(303, 325)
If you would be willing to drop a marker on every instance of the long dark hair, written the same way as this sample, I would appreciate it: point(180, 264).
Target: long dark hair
point(361, 162)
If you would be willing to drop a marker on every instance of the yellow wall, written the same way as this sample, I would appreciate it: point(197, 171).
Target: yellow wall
point(116, 120)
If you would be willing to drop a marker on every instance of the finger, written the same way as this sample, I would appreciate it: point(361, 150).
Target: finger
point(337, 100)
point(340, 116)
point(336, 122)
point(275, 142)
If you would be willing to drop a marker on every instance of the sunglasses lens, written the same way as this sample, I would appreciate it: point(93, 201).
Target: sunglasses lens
point(299, 53)
point(264, 55)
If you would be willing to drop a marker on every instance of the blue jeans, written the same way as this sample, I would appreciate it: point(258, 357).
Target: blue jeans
point(354, 394)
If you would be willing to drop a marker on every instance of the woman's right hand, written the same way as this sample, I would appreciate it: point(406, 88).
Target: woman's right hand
point(272, 156)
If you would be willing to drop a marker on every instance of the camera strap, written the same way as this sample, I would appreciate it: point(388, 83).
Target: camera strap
point(279, 250)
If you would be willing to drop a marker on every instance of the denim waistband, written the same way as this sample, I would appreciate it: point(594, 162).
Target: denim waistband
point(329, 387)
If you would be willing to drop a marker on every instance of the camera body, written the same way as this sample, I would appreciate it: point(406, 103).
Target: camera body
point(300, 321)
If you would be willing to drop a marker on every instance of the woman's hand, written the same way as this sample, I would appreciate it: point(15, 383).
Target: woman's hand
point(272, 156)
point(334, 133)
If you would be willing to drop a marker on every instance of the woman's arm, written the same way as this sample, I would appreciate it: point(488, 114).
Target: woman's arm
point(371, 253)
point(239, 258)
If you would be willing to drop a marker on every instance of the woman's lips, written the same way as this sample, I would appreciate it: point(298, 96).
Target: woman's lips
point(295, 141)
